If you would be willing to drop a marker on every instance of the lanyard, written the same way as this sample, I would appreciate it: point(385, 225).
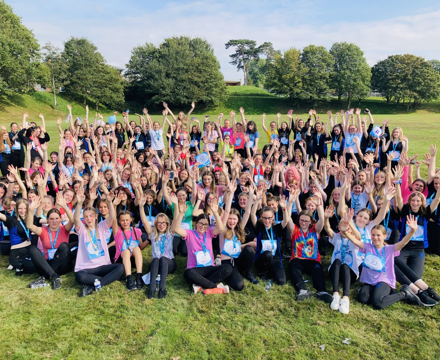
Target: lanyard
point(26, 230)
point(162, 244)
point(304, 238)
point(317, 137)
point(382, 258)
point(355, 201)
point(94, 239)
point(271, 234)
point(164, 206)
point(157, 134)
point(149, 212)
point(131, 237)
point(344, 249)
point(336, 214)
point(137, 137)
point(53, 244)
point(203, 243)
point(363, 233)
point(70, 171)
point(127, 185)
point(387, 220)
point(395, 146)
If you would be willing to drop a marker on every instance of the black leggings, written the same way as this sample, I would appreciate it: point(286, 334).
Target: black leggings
point(62, 262)
point(274, 267)
point(179, 245)
point(311, 267)
point(207, 277)
point(244, 262)
point(433, 238)
point(404, 274)
point(17, 160)
point(162, 266)
point(415, 259)
point(379, 296)
point(17, 258)
point(6, 161)
point(345, 273)
point(106, 274)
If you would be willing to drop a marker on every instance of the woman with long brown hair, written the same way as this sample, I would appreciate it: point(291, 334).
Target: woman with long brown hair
point(5, 151)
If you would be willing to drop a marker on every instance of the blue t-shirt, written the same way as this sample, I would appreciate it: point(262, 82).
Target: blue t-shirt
point(252, 138)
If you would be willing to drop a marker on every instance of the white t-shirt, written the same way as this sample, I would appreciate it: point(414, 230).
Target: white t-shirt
point(349, 143)
point(359, 202)
point(352, 258)
point(214, 136)
point(157, 139)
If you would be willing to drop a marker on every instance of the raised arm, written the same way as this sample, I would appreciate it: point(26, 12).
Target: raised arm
point(431, 169)
point(391, 192)
point(177, 221)
point(411, 221)
point(30, 216)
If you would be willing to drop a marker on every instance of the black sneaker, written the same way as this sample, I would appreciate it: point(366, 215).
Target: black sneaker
point(264, 277)
point(87, 290)
point(410, 297)
point(303, 295)
point(56, 282)
point(324, 296)
point(40, 282)
point(139, 282)
point(249, 276)
point(151, 291)
point(162, 293)
point(433, 294)
point(130, 283)
point(426, 299)
point(18, 272)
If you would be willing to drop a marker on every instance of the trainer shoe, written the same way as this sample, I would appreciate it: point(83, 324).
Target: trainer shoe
point(56, 282)
point(249, 276)
point(40, 282)
point(162, 293)
point(344, 307)
point(139, 282)
point(324, 296)
point(425, 298)
point(224, 287)
point(151, 291)
point(433, 294)
point(130, 283)
point(87, 290)
point(196, 288)
point(303, 295)
point(410, 297)
point(336, 302)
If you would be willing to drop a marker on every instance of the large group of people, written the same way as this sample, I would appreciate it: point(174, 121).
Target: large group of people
point(238, 211)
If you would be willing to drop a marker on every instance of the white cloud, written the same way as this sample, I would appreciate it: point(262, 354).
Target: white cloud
point(218, 23)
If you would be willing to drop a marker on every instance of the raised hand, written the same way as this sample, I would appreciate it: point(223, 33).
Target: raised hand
point(35, 204)
point(60, 200)
point(80, 197)
point(411, 221)
point(369, 188)
point(283, 202)
point(329, 211)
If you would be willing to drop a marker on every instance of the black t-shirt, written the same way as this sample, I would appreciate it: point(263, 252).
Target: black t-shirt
point(120, 135)
point(276, 232)
point(421, 232)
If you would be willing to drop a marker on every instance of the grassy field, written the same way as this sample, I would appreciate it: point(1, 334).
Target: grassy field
point(253, 324)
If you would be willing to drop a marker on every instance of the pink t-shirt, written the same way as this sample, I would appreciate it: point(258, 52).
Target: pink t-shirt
point(88, 257)
point(406, 192)
point(227, 130)
point(132, 235)
point(218, 189)
point(373, 275)
point(238, 140)
point(40, 169)
point(196, 252)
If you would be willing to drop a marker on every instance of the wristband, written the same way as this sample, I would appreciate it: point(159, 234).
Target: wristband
point(397, 181)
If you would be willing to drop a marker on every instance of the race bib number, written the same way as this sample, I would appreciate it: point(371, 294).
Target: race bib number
point(336, 146)
point(93, 252)
point(139, 145)
point(203, 258)
point(269, 245)
point(231, 248)
point(372, 262)
point(51, 253)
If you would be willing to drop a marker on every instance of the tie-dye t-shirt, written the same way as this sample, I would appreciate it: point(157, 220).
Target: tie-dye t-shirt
point(305, 244)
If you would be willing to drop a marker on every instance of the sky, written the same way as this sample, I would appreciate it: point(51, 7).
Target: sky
point(379, 28)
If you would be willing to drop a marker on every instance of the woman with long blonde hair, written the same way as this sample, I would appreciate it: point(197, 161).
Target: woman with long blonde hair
point(5, 152)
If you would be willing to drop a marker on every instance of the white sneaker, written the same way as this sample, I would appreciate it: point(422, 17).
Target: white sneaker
point(344, 308)
point(335, 303)
point(224, 287)
point(196, 288)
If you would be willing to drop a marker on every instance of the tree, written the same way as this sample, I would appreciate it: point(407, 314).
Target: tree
point(108, 89)
point(351, 74)
point(435, 64)
point(246, 51)
point(407, 78)
point(285, 74)
point(317, 64)
point(257, 72)
point(179, 71)
point(18, 53)
point(57, 70)
point(83, 61)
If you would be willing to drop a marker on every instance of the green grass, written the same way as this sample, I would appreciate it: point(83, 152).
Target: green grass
point(253, 324)
point(248, 91)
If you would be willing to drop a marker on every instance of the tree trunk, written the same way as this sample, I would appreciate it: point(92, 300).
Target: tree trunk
point(349, 102)
point(54, 90)
point(339, 98)
point(85, 100)
point(97, 106)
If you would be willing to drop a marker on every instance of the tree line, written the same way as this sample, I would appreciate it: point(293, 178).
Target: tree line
point(182, 70)
point(316, 73)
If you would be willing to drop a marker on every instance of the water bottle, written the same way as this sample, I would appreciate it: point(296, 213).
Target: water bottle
point(268, 285)
point(97, 285)
point(157, 282)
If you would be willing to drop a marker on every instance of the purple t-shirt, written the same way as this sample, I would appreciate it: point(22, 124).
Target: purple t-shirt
point(374, 274)
point(196, 254)
point(91, 255)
